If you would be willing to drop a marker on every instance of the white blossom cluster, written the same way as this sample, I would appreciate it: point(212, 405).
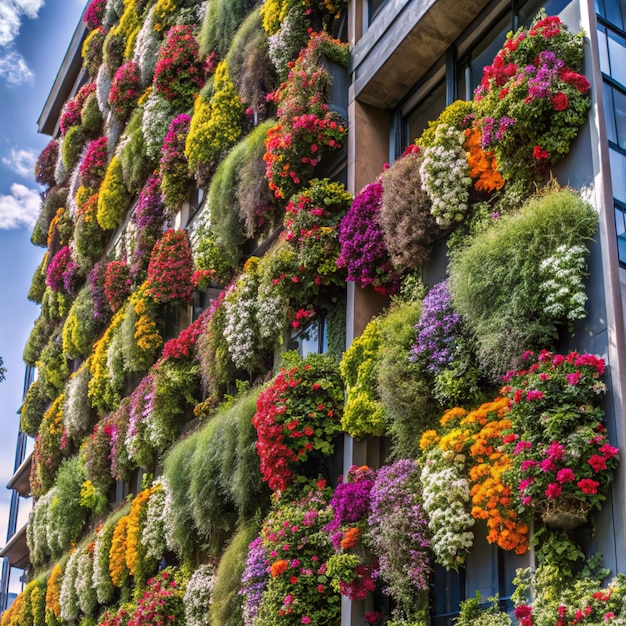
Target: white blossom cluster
point(146, 49)
point(76, 407)
point(157, 116)
point(103, 86)
point(68, 597)
point(241, 329)
point(153, 532)
point(198, 596)
point(446, 496)
point(286, 43)
point(563, 287)
point(445, 176)
point(37, 529)
point(85, 590)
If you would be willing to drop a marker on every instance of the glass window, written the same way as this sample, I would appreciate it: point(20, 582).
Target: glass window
point(310, 338)
point(620, 228)
point(618, 174)
point(426, 111)
point(617, 52)
point(615, 111)
point(373, 7)
point(448, 591)
point(613, 11)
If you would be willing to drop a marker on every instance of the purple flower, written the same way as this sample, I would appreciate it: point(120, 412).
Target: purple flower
point(437, 329)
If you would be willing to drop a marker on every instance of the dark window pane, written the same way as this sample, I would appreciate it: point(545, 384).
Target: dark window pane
point(427, 110)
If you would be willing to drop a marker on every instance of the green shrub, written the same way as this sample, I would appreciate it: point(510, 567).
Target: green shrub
point(221, 20)
point(81, 327)
point(363, 413)
point(37, 340)
point(34, 406)
point(38, 284)
point(226, 609)
point(72, 146)
point(91, 116)
point(53, 369)
point(496, 281)
point(136, 166)
point(404, 387)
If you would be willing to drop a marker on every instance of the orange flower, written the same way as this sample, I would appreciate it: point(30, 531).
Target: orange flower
point(278, 567)
point(350, 538)
point(483, 165)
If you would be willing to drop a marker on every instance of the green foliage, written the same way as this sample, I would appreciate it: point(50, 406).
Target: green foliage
point(81, 328)
point(403, 386)
point(363, 413)
point(38, 284)
point(91, 116)
point(495, 281)
point(211, 254)
point(258, 210)
point(54, 305)
point(223, 202)
point(72, 146)
point(136, 166)
point(473, 613)
point(226, 607)
point(66, 516)
point(221, 20)
point(112, 199)
point(452, 115)
point(250, 65)
point(180, 526)
point(53, 369)
point(37, 340)
point(33, 408)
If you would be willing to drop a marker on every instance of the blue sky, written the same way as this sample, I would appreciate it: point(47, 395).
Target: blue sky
point(34, 35)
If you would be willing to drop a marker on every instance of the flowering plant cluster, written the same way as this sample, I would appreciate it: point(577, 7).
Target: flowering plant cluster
point(311, 222)
point(174, 169)
point(363, 413)
point(124, 91)
point(170, 268)
point(397, 518)
point(563, 286)
point(112, 198)
point(71, 115)
point(307, 131)
point(363, 250)
point(94, 13)
point(94, 163)
point(296, 551)
point(46, 164)
point(350, 572)
point(532, 100)
point(62, 272)
point(562, 461)
point(483, 165)
point(437, 330)
point(216, 126)
point(117, 284)
point(197, 598)
point(162, 602)
point(297, 418)
point(178, 73)
point(445, 175)
point(97, 279)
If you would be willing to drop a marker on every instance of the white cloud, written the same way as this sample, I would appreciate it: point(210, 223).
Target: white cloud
point(22, 162)
point(13, 67)
point(19, 208)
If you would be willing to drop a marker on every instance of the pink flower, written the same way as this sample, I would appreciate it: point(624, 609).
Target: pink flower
point(588, 486)
point(306, 619)
point(534, 394)
point(597, 462)
point(573, 378)
point(553, 491)
point(565, 475)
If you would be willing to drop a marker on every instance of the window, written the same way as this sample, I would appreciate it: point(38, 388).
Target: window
point(373, 8)
point(448, 591)
point(613, 11)
point(310, 338)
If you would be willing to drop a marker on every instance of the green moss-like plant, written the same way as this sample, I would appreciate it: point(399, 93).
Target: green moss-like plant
point(72, 146)
point(221, 20)
point(496, 281)
point(250, 65)
point(33, 408)
point(136, 166)
point(53, 369)
point(91, 116)
point(37, 340)
point(38, 284)
point(404, 388)
point(226, 607)
point(180, 527)
point(112, 199)
point(223, 202)
point(363, 413)
point(81, 327)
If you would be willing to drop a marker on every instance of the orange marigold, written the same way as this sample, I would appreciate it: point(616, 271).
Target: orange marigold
point(483, 164)
point(118, 569)
point(278, 567)
point(350, 538)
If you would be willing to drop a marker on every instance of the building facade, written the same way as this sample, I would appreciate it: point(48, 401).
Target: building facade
point(200, 220)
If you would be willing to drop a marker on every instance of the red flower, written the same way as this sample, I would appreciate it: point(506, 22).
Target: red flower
point(560, 101)
point(539, 153)
point(588, 486)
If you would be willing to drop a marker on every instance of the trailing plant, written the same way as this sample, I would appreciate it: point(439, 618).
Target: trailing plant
point(33, 407)
point(136, 166)
point(46, 163)
point(92, 51)
point(147, 46)
point(94, 163)
point(307, 131)
point(81, 328)
point(504, 305)
point(175, 179)
point(197, 600)
point(157, 116)
point(287, 42)
point(78, 415)
point(117, 284)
